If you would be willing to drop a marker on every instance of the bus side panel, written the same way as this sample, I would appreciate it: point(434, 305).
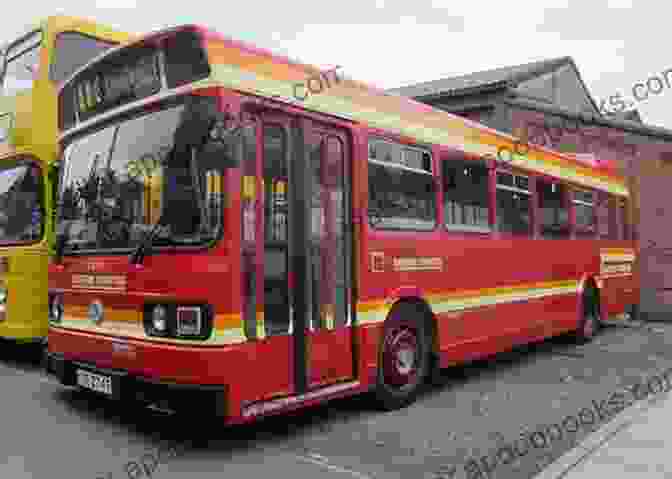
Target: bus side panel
point(491, 294)
point(26, 285)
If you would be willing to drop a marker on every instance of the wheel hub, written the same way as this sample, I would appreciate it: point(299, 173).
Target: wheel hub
point(400, 357)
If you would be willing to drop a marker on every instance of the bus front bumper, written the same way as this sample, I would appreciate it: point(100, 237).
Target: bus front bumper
point(189, 398)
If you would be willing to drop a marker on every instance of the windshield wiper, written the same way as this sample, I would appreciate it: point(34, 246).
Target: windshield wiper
point(60, 243)
point(145, 245)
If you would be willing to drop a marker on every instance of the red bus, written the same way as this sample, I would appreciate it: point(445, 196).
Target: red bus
point(224, 246)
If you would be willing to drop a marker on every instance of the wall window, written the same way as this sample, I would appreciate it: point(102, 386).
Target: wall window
point(401, 187)
point(586, 221)
point(513, 203)
point(466, 198)
point(553, 212)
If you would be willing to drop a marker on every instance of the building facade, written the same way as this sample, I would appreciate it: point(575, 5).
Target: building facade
point(549, 103)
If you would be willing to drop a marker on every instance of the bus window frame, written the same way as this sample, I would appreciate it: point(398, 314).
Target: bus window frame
point(21, 159)
point(116, 117)
point(447, 155)
point(581, 233)
point(530, 192)
point(7, 51)
point(566, 198)
point(433, 174)
point(54, 59)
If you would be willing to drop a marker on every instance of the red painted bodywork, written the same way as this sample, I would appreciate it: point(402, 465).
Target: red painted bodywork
point(262, 369)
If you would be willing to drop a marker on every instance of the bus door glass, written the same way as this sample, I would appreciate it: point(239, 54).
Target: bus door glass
point(329, 343)
point(302, 275)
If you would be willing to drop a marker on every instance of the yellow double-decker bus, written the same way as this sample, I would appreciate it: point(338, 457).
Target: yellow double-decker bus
point(31, 69)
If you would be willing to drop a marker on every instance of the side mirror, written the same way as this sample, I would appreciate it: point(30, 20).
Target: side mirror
point(3, 65)
point(53, 173)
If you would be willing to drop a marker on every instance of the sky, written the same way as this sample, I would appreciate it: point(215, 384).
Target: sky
point(395, 43)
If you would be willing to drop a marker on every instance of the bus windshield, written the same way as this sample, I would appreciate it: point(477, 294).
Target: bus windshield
point(72, 50)
point(21, 214)
point(123, 179)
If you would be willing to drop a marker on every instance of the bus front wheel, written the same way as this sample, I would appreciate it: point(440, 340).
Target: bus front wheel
point(404, 357)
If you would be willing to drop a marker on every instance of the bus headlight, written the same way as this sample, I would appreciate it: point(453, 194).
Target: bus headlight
point(159, 319)
point(55, 308)
point(189, 321)
point(3, 295)
point(186, 321)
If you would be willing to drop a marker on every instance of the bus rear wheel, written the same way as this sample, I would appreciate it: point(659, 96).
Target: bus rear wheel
point(404, 357)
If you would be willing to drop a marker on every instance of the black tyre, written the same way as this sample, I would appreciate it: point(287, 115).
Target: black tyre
point(633, 312)
point(590, 322)
point(403, 358)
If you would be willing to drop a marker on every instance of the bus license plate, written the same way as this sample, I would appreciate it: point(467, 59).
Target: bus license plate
point(95, 382)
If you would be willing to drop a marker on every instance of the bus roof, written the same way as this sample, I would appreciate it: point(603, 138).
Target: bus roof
point(243, 67)
point(61, 23)
point(55, 24)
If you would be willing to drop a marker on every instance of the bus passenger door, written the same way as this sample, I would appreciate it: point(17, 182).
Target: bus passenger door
point(304, 267)
point(329, 341)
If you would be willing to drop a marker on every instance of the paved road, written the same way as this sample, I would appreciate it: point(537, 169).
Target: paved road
point(50, 432)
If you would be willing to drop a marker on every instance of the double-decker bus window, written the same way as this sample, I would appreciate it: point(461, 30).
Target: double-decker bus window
point(586, 221)
point(276, 291)
point(22, 64)
point(513, 204)
point(553, 212)
point(120, 181)
point(72, 50)
point(21, 207)
point(400, 196)
point(466, 197)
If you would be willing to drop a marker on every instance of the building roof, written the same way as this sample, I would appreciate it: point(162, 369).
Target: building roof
point(482, 81)
point(509, 77)
point(630, 115)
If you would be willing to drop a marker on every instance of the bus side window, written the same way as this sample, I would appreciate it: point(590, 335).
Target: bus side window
point(513, 204)
point(553, 211)
point(616, 221)
point(586, 219)
point(606, 218)
point(72, 50)
point(466, 196)
point(22, 64)
point(402, 193)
